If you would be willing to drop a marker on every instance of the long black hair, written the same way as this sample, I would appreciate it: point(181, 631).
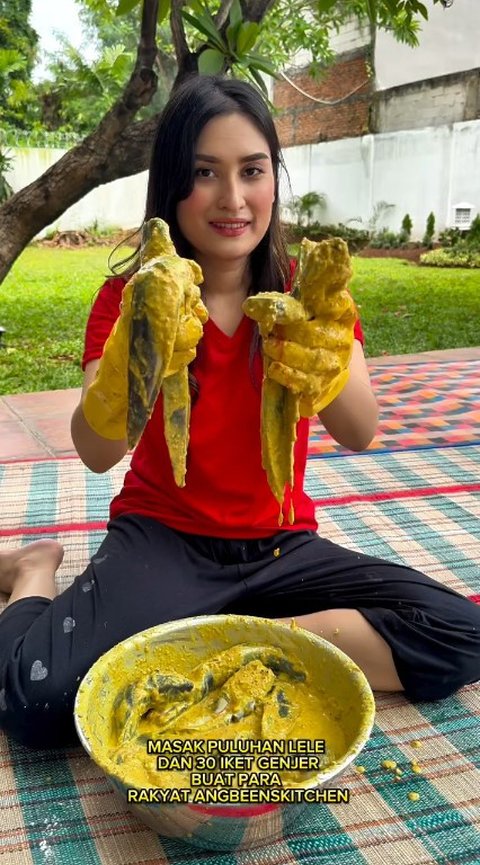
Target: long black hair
point(192, 104)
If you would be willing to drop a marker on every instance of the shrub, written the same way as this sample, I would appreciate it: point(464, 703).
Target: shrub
point(461, 238)
point(385, 239)
point(454, 257)
point(429, 231)
point(379, 210)
point(5, 189)
point(473, 236)
point(450, 236)
point(406, 229)
point(302, 206)
point(354, 237)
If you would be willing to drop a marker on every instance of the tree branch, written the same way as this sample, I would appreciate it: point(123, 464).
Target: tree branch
point(222, 15)
point(131, 153)
point(147, 47)
point(255, 10)
point(178, 33)
point(100, 157)
point(140, 88)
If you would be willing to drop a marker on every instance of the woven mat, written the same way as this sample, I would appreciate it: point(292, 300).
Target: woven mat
point(422, 404)
point(421, 507)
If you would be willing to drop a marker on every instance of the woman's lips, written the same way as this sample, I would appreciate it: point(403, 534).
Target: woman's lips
point(230, 229)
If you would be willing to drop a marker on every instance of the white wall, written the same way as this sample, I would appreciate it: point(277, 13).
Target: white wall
point(120, 203)
point(418, 171)
point(350, 37)
point(449, 42)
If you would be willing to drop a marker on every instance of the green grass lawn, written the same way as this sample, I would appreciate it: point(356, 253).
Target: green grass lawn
point(405, 308)
point(44, 305)
point(45, 300)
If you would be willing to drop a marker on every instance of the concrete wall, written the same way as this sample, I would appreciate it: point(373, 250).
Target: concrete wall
point(436, 101)
point(417, 171)
point(350, 37)
point(120, 203)
point(434, 84)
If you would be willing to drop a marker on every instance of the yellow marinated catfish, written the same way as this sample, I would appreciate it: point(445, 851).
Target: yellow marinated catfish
point(279, 408)
point(150, 346)
point(307, 341)
point(166, 325)
point(222, 691)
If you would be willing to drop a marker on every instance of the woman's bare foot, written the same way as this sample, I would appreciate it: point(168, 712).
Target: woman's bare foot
point(37, 561)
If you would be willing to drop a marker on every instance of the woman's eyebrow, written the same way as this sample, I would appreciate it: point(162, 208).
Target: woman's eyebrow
point(252, 158)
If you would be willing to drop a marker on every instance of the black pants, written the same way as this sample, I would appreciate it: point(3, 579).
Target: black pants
point(144, 574)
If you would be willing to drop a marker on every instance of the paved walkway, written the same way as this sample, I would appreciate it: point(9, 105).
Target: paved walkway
point(37, 425)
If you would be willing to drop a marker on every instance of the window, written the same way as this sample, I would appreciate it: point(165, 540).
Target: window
point(462, 216)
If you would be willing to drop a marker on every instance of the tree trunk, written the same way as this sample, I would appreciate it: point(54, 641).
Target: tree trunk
point(82, 169)
point(107, 154)
point(115, 149)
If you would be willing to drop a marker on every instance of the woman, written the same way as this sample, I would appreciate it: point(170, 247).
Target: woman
point(214, 545)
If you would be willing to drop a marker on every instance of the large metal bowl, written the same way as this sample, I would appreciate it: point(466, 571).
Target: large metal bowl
point(221, 827)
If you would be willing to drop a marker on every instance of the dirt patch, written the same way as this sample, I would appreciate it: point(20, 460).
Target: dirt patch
point(412, 255)
point(81, 238)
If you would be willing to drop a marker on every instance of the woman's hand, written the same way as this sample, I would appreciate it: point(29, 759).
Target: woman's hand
point(312, 358)
point(352, 418)
point(156, 334)
point(189, 333)
point(98, 453)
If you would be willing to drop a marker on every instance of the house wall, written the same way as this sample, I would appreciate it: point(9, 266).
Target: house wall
point(445, 99)
point(416, 171)
point(302, 120)
point(434, 84)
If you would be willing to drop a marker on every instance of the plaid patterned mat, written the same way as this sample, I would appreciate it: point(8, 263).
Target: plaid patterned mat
point(422, 404)
point(421, 507)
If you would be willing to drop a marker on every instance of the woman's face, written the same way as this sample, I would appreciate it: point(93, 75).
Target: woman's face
point(229, 209)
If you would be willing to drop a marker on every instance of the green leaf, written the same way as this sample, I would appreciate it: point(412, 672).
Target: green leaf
point(196, 6)
point(258, 80)
point(210, 62)
point(163, 10)
point(258, 62)
point(247, 36)
point(392, 7)
point(202, 25)
point(371, 10)
point(235, 16)
point(325, 5)
point(422, 10)
point(203, 12)
point(120, 67)
point(10, 60)
point(126, 6)
point(232, 36)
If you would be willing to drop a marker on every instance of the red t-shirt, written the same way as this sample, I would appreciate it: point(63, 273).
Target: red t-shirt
point(226, 493)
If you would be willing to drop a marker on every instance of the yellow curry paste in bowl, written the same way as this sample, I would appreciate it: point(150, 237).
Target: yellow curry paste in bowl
point(222, 729)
